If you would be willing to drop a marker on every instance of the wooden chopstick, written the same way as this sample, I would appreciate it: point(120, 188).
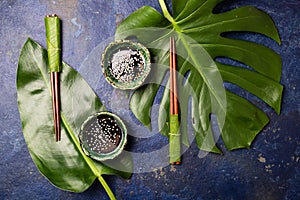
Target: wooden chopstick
point(54, 79)
point(57, 106)
point(173, 85)
point(174, 78)
point(171, 77)
point(52, 25)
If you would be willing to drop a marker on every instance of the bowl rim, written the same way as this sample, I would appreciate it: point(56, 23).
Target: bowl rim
point(103, 156)
point(147, 67)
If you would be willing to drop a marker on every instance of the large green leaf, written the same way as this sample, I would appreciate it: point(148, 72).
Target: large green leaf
point(63, 163)
point(200, 41)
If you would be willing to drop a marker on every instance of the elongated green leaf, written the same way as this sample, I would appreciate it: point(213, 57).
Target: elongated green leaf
point(200, 41)
point(63, 163)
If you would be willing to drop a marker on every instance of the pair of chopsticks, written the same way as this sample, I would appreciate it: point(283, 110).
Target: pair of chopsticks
point(54, 81)
point(174, 134)
point(173, 80)
point(52, 24)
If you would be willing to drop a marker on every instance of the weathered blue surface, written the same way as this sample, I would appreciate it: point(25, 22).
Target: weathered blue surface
point(269, 170)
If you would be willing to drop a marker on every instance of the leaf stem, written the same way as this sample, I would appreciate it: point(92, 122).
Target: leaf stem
point(77, 144)
point(88, 160)
point(165, 11)
point(107, 188)
point(168, 16)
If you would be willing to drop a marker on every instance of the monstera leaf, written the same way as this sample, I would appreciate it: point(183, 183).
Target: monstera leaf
point(63, 163)
point(201, 40)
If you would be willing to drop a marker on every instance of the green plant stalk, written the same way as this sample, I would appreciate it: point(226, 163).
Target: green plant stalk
point(165, 11)
point(88, 160)
point(107, 188)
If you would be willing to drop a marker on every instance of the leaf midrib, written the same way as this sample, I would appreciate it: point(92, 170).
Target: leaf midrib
point(185, 43)
point(90, 163)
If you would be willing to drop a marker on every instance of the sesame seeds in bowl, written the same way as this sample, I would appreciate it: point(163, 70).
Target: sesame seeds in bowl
point(126, 64)
point(103, 136)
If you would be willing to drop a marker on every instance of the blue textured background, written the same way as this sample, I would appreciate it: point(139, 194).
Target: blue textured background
point(269, 170)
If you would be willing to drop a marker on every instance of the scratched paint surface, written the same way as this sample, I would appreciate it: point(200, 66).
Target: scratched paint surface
point(269, 170)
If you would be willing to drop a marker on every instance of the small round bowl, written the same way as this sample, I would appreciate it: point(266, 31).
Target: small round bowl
point(103, 136)
point(125, 64)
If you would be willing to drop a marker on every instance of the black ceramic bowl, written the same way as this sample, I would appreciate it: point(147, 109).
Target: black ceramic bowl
point(103, 136)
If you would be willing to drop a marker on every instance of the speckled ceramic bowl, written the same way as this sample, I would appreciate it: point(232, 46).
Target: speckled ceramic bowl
point(126, 64)
point(103, 136)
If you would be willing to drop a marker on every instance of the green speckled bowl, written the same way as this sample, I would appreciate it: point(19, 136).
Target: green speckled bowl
point(103, 136)
point(126, 64)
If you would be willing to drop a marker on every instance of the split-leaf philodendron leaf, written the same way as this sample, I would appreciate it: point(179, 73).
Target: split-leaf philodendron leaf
point(200, 40)
point(63, 163)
